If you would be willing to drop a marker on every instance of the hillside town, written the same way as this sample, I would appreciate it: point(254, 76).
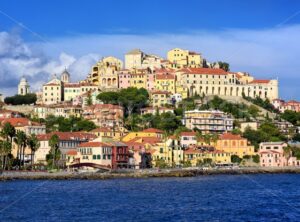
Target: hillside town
point(150, 112)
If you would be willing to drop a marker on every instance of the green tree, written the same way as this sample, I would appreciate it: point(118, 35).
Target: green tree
point(21, 99)
point(89, 100)
point(253, 111)
point(236, 159)
point(21, 141)
point(5, 150)
point(34, 145)
point(54, 151)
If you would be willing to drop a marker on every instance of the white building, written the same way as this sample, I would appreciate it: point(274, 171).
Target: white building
point(23, 87)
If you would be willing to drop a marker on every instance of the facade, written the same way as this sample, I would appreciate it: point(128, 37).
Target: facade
point(187, 139)
point(218, 82)
point(136, 59)
point(155, 110)
point(105, 115)
point(235, 145)
point(208, 121)
point(149, 133)
point(108, 132)
point(105, 73)
point(160, 98)
point(73, 90)
point(198, 155)
point(53, 91)
point(272, 154)
point(282, 106)
point(165, 82)
point(23, 87)
point(181, 58)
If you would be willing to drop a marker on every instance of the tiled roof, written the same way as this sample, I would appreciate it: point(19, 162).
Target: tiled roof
point(203, 71)
point(188, 134)
point(20, 122)
point(165, 76)
point(160, 92)
point(68, 136)
point(94, 144)
point(259, 81)
point(72, 153)
point(152, 130)
point(230, 136)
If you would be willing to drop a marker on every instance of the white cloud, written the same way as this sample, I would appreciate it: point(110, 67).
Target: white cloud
point(266, 53)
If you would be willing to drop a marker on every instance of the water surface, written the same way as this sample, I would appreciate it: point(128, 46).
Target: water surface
point(205, 198)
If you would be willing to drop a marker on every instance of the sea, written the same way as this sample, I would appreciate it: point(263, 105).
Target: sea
point(260, 197)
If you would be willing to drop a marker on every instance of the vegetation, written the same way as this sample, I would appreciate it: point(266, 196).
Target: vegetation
point(20, 100)
point(267, 131)
point(54, 153)
point(291, 116)
point(33, 144)
point(236, 159)
point(21, 141)
point(72, 124)
point(132, 99)
point(262, 103)
point(161, 164)
point(224, 66)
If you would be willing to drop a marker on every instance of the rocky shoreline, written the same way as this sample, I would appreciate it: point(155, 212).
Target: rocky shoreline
point(29, 175)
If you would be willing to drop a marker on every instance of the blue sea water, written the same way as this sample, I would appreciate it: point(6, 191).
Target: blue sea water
point(204, 198)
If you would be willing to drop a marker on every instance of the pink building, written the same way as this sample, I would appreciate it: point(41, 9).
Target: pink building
point(272, 155)
point(188, 138)
point(124, 78)
point(281, 105)
point(105, 115)
point(150, 84)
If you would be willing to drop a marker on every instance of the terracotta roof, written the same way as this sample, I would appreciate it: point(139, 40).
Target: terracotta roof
point(188, 134)
point(94, 144)
point(19, 122)
point(204, 71)
point(259, 81)
point(68, 136)
point(165, 76)
point(72, 153)
point(160, 92)
point(152, 130)
point(230, 136)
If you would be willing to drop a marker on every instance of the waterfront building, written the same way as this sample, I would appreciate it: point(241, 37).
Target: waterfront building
point(23, 87)
point(67, 141)
point(208, 121)
point(113, 133)
point(150, 132)
point(235, 145)
point(181, 58)
point(198, 155)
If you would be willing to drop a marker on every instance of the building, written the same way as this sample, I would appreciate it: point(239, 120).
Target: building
point(273, 154)
point(105, 115)
point(105, 73)
point(181, 58)
point(148, 133)
point(53, 91)
point(65, 76)
point(251, 125)
point(25, 125)
point(201, 155)
point(156, 110)
point(23, 87)
point(282, 106)
point(187, 139)
point(136, 59)
point(73, 90)
point(116, 134)
point(165, 82)
point(218, 82)
point(235, 145)
point(160, 98)
point(67, 141)
point(208, 121)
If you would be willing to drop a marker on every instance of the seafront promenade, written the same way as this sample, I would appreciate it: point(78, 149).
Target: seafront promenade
point(150, 173)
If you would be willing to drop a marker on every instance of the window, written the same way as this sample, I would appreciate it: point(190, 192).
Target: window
point(104, 156)
point(94, 157)
point(98, 157)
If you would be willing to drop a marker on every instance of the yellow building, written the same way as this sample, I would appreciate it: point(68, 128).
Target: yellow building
point(235, 145)
point(138, 80)
point(181, 58)
point(165, 82)
point(198, 155)
point(108, 132)
point(160, 98)
point(53, 91)
point(73, 90)
point(105, 73)
point(151, 132)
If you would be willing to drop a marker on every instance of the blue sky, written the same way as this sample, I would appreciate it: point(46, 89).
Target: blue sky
point(39, 38)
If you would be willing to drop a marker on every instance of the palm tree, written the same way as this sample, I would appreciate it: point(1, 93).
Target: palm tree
point(21, 141)
point(8, 132)
point(34, 145)
point(54, 144)
point(5, 149)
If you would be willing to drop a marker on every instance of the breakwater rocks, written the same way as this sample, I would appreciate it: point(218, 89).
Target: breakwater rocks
point(153, 173)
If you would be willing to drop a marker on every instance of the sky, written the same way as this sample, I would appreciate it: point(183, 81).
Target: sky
point(40, 38)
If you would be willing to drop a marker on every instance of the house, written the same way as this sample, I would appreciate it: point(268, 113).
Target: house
point(187, 139)
point(150, 132)
point(156, 110)
point(108, 132)
point(208, 121)
point(273, 154)
point(160, 98)
point(234, 144)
